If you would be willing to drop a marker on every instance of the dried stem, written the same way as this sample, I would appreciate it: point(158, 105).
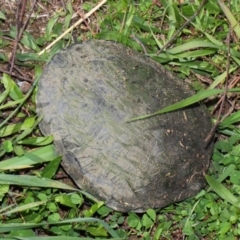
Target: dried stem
point(73, 26)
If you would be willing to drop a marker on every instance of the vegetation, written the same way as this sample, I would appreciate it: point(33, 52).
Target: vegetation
point(199, 40)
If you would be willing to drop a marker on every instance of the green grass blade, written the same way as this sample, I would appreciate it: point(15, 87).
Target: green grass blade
point(37, 141)
point(220, 79)
point(40, 155)
point(168, 6)
point(37, 74)
point(185, 54)
point(16, 226)
point(24, 207)
point(227, 173)
point(13, 128)
point(14, 91)
point(50, 170)
point(27, 131)
point(130, 15)
point(3, 96)
point(195, 54)
point(222, 191)
point(233, 22)
point(233, 118)
point(4, 209)
point(33, 181)
point(212, 39)
point(217, 44)
point(191, 45)
point(11, 104)
point(156, 39)
point(57, 238)
point(186, 102)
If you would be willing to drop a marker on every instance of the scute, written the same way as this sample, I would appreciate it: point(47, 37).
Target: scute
point(87, 93)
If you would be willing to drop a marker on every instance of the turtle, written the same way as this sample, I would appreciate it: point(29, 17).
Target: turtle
point(87, 94)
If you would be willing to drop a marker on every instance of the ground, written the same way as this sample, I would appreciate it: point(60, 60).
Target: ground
point(203, 50)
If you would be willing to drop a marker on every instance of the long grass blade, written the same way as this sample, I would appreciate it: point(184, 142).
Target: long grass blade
point(222, 191)
point(32, 181)
point(233, 22)
point(40, 155)
point(233, 118)
point(186, 102)
point(16, 226)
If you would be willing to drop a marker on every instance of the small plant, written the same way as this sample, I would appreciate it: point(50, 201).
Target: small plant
point(35, 199)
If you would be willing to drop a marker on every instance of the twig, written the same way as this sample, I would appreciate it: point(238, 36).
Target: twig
point(17, 76)
point(73, 26)
point(140, 43)
point(231, 85)
point(20, 32)
point(64, 5)
point(86, 23)
point(19, 18)
point(183, 26)
point(214, 128)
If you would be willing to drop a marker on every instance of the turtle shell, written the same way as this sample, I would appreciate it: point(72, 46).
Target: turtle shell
point(86, 95)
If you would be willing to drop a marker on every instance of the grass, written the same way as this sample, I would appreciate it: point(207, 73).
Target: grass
point(37, 199)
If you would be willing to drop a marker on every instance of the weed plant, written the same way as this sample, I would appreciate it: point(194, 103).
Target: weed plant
point(198, 40)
